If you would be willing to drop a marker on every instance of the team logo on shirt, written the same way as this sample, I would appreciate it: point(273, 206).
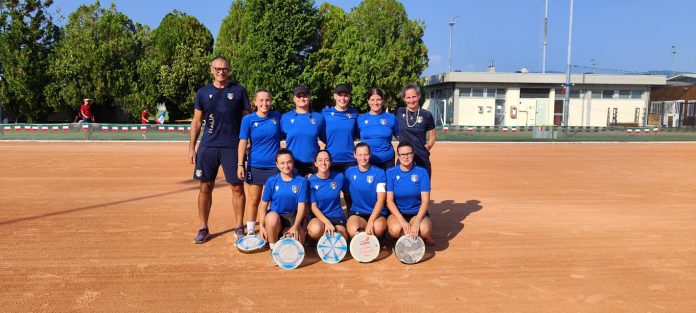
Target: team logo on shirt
point(355, 177)
point(366, 122)
point(274, 121)
point(316, 187)
point(256, 124)
point(333, 185)
point(210, 96)
point(383, 121)
point(349, 115)
point(292, 121)
point(313, 121)
point(294, 188)
point(414, 178)
point(230, 95)
point(370, 179)
point(420, 119)
point(398, 177)
point(277, 187)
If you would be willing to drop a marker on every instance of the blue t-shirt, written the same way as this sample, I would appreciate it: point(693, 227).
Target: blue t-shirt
point(377, 131)
point(263, 134)
point(326, 193)
point(284, 196)
point(222, 114)
point(420, 123)
point(363, 188)
point(301, 132)
point(341, 131)
point(407, 187)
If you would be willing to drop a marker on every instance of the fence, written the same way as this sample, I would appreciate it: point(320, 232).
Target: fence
point(97, 131)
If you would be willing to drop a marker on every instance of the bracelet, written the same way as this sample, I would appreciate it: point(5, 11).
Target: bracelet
point(240, 165)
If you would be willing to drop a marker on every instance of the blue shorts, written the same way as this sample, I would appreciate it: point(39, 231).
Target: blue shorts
point(336, 221)
point(209, 159)
point(259, 176)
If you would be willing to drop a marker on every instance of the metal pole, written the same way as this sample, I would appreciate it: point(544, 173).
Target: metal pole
point(674, 58)
point(566, 96)
point(546, 33)
point(451, 23)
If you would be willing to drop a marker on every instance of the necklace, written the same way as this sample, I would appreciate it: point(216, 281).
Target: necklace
point(417, 116)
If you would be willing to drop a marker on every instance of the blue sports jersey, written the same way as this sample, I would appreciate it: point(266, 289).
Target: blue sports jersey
point(222, 114)
point(377, 131)
point(263, 134)
point(326, 193)
point(284, 196)
point(420, 123)
point(341, 131)
point(407, 187)
point(362, 187)
point(301, 132)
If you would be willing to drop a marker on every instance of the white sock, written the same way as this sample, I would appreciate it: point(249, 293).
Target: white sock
point(271, 245)
point(251, 225)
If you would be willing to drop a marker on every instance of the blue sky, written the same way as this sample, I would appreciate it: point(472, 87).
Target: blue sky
point(625, 35)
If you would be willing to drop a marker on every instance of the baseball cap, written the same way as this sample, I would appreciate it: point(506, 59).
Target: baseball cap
point(300, 89)
point(343, 88)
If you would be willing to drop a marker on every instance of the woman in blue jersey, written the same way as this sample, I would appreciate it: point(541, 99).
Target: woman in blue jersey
point(341, 128)
point(325, 193)
point(365, 188)
point(260, 132)
point(287, 194)
point(302, 128)
point(408, 195)
point(377, 129)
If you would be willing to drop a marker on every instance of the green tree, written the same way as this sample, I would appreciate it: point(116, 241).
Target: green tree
point(229, 37)
point(278, 36)
point(27, 35)
point(324, 64)
point(380, 47)
point(96, 59)
point(175, 64)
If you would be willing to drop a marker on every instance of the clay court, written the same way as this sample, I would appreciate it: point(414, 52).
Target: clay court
point(594, 227)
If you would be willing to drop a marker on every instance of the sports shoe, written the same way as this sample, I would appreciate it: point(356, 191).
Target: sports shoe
point(203, 236)
point(239, 232)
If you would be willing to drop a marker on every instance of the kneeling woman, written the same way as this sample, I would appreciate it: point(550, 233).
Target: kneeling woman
point(408, 195)
point(366, 188)
point(325, 194)
point(287, 194)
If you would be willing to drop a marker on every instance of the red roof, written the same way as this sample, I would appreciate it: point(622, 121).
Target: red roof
point(673, 93)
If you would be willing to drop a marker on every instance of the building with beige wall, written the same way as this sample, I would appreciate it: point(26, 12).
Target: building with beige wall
point(535, 99)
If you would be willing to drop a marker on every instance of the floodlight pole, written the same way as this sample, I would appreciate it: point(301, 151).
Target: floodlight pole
point(451, 23)
point(566, 96)
point(546, 33)
point(674, 59)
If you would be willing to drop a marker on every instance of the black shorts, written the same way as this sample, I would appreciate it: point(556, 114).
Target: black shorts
point(408, 217)
point(384, 165)
point(340, 167)
point(209, 159)
point(364, 216)
point(303, 169)
point(336, 221)
point(258, 176)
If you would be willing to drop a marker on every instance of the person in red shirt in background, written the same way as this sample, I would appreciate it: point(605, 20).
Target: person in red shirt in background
point(86, 111)
point(144, 117)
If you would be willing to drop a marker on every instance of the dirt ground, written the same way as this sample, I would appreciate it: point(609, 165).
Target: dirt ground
point(108, 227)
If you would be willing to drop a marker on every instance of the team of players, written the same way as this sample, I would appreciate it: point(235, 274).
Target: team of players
point(302, 183)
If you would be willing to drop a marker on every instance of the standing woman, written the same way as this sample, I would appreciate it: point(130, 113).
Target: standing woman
point(302, 128)
point(325, 195)
point(341, 128)
point(287, 194)
point(259, 130)
point(377, 129)
point(408, 195)
point(414, 124)
point(366, 186)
